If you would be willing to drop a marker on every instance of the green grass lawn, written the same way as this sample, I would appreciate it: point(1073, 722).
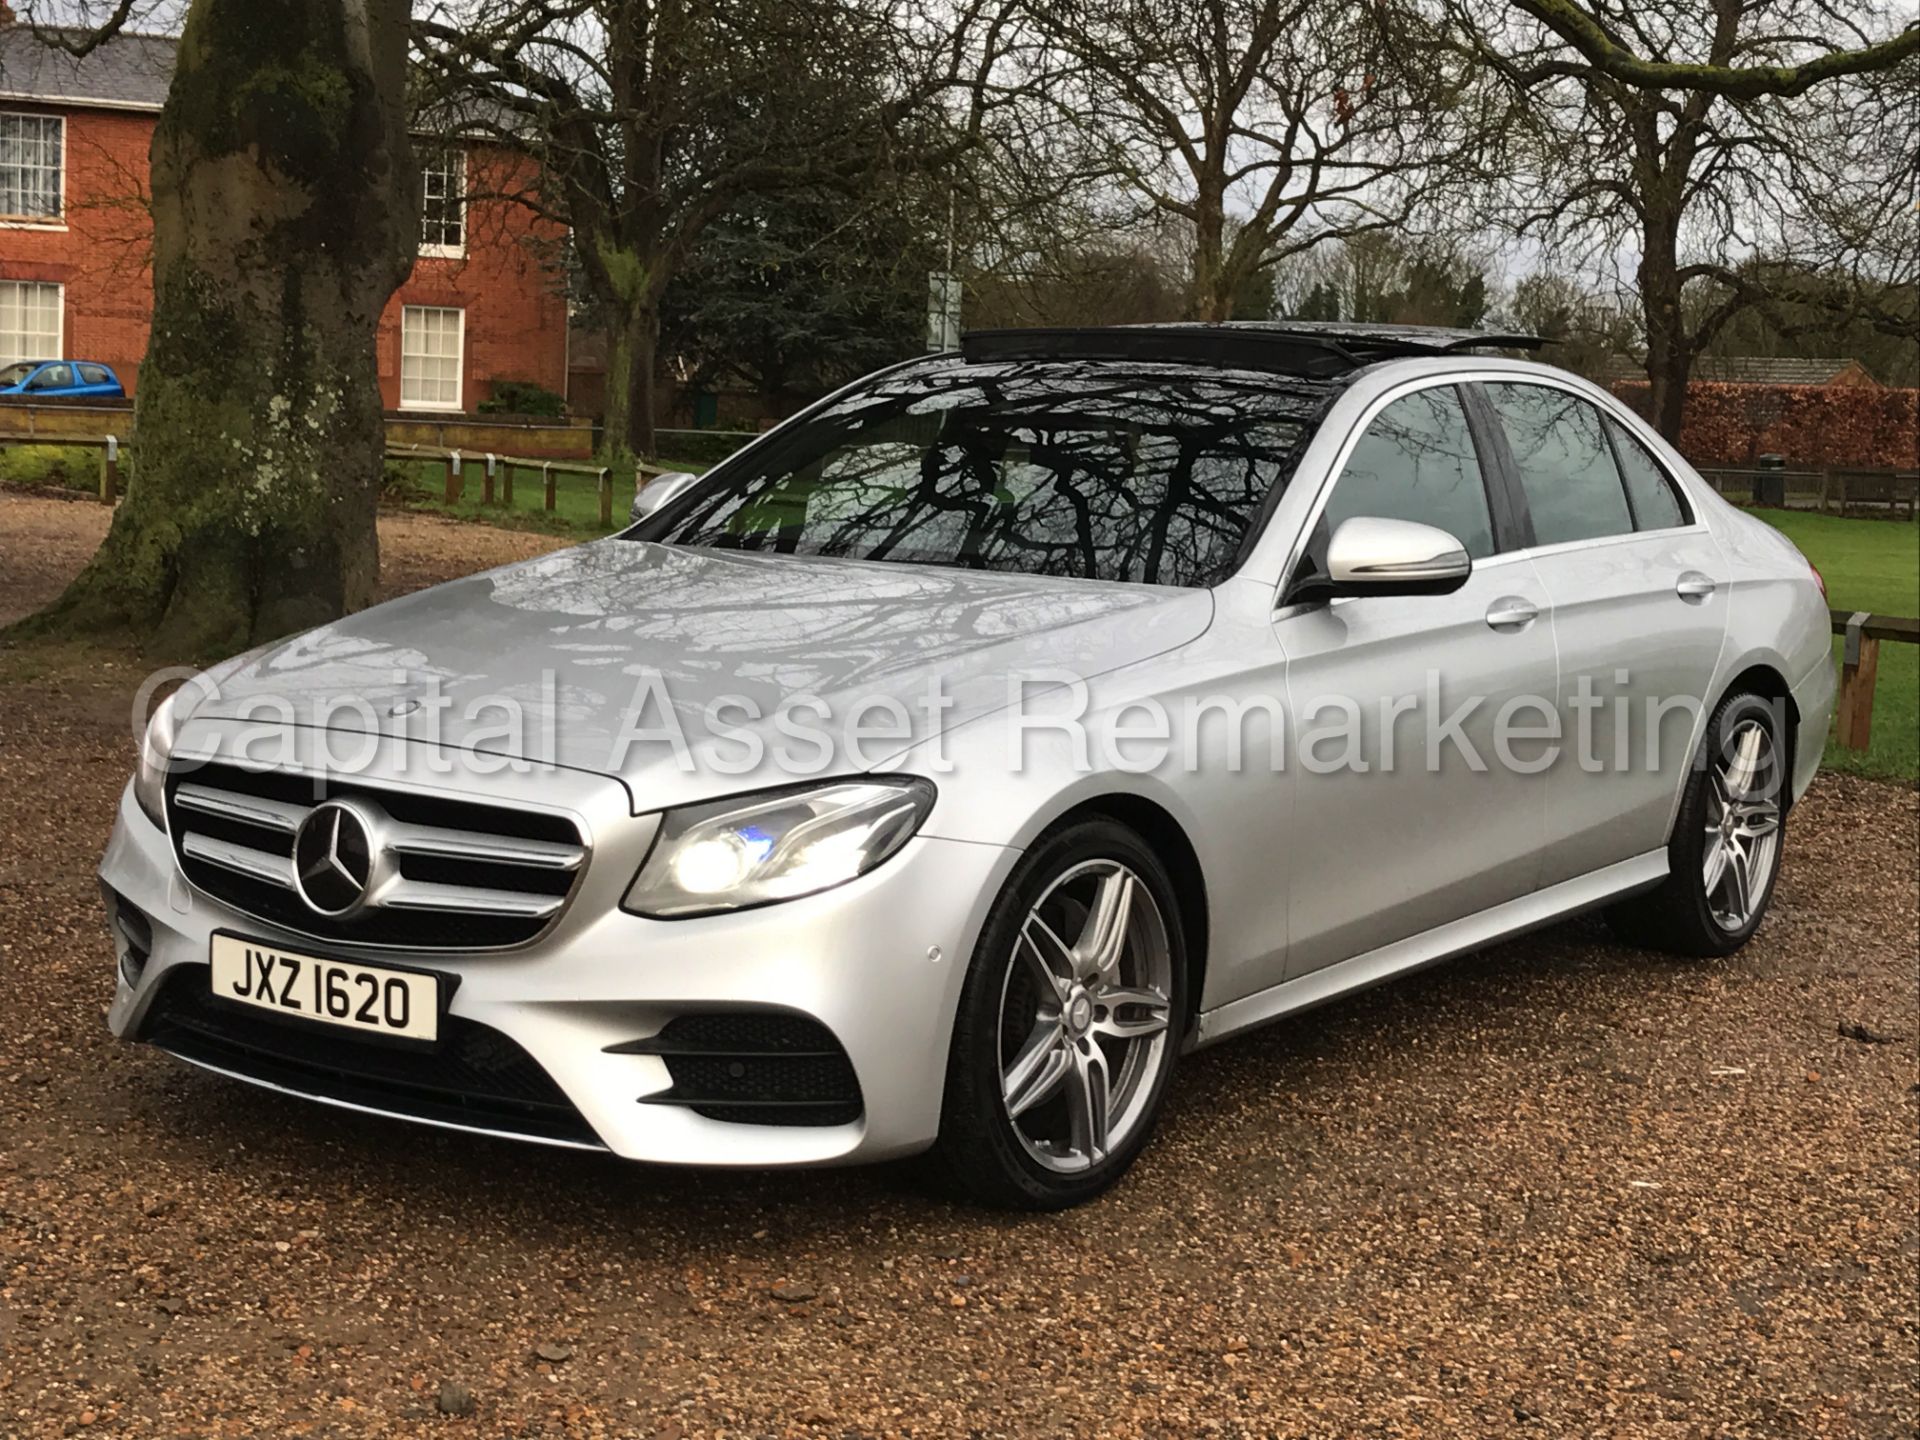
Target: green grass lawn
point(1871, 565)
point(576, 497)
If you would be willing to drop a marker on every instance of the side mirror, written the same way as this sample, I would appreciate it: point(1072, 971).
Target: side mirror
point(1373, 556)
point(655, 494)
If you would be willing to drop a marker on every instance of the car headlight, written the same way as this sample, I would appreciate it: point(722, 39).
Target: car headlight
point(156, 750)
point(776, 845)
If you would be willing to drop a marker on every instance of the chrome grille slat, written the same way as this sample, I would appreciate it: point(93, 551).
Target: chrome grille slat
point(444, 877)
point(255, 864)
point(276, 815)
point(495, 849)
point(468, 899)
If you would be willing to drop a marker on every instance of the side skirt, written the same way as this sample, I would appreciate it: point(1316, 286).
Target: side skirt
point(1443, 942)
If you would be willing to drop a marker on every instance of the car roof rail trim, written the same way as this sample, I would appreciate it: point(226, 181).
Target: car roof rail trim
point(1295, 347)
point(1380, 341)
point(1227, 346)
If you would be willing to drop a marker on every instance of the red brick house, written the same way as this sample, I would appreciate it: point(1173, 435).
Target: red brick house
point(481, 306)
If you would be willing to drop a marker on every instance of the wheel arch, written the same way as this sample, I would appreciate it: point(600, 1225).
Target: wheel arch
point(1167, 838)
point(1769, 684)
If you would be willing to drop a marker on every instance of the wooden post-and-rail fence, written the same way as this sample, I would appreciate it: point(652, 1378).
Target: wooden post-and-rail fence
point(1862, 633)
point(497, 476)
point(496, 483)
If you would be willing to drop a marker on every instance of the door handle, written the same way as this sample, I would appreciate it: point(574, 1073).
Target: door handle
point(1694, 587)
point(1510, 612)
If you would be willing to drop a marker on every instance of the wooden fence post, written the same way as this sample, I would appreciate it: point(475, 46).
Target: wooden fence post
point(110, 470)
point(453, 477)
point(606, 496)
point(546, 476)
point(1859, 669)
point(486, 481)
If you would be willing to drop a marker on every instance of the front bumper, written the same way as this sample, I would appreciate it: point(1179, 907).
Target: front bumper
point(879, 962)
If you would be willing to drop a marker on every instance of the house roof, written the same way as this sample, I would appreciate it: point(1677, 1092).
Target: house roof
point(128, 72)
point(1773, 369)
point(1748, 369)
point(132, 72)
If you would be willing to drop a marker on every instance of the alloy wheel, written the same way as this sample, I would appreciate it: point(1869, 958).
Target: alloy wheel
point(1743, 827)
point(1085, 1021)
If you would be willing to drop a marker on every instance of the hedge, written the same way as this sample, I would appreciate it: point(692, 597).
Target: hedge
point(1853, 426)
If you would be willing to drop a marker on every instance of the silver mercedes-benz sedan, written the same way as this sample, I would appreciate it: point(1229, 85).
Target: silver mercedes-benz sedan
point(940, 768)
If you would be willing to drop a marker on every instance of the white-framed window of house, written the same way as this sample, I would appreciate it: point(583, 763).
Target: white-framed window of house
point(443, 202)
point(33, 168)
point(432, 346)
point(31, 321)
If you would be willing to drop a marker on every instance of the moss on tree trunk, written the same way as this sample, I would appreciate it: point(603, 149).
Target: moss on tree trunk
point(284, 218)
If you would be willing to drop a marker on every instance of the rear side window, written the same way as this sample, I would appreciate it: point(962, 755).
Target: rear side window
point(1417, 462)
point(1573, 489)
point(93, 375)
point(1656, 502)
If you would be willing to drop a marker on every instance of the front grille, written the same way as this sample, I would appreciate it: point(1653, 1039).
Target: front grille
point(754, 1068)
point(473, 1075)
point(463, 874)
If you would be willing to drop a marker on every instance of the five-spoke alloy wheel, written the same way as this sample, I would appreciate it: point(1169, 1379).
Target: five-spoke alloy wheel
point(1725, 850)
point(1742, 830)
point(1069, 1023)
point(1083, 1023)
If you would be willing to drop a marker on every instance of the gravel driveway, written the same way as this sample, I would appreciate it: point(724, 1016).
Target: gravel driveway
point(1562, 1187)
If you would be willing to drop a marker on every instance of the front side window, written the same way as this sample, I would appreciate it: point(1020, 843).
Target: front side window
point(1656, 503)
point(1097, 471)
point(1573, 489)
point(29, 321)
point(54, 377)
point(443, 208)
point(32, 150)
point(430, 342)
point(1417, 462)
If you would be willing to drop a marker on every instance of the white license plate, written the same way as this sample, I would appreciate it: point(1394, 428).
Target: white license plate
point(368, 998)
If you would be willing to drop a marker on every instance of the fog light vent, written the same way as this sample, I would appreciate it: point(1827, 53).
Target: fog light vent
point(132, 935)
point(753, 1068)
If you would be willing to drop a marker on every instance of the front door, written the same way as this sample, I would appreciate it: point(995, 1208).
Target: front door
point(1429, 821)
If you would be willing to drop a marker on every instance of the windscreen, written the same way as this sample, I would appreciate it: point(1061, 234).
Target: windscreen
point(1091, 471)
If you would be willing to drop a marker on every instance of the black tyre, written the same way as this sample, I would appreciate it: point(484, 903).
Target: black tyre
point(1724, 854)
point(1069, 1024)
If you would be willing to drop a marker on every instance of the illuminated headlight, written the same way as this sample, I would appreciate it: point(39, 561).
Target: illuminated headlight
point(156, 750)
point(777, 845)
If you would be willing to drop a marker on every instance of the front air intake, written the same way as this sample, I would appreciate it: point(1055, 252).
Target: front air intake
point(754, 1068)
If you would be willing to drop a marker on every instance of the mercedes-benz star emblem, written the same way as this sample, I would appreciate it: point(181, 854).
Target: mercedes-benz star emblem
point(333, 858)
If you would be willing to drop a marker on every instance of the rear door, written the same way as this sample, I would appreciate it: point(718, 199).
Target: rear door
point(1638, 590)
point(95, 380)
point(1431, 826)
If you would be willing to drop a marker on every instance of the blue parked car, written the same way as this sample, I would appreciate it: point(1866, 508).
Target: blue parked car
point(60, 377)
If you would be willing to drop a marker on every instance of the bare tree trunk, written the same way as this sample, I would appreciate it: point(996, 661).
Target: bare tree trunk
point(1669, 350)
point(633, 352)
point(1212, 297)
point(284, 218)
point(615, 427)
point(643, 344)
